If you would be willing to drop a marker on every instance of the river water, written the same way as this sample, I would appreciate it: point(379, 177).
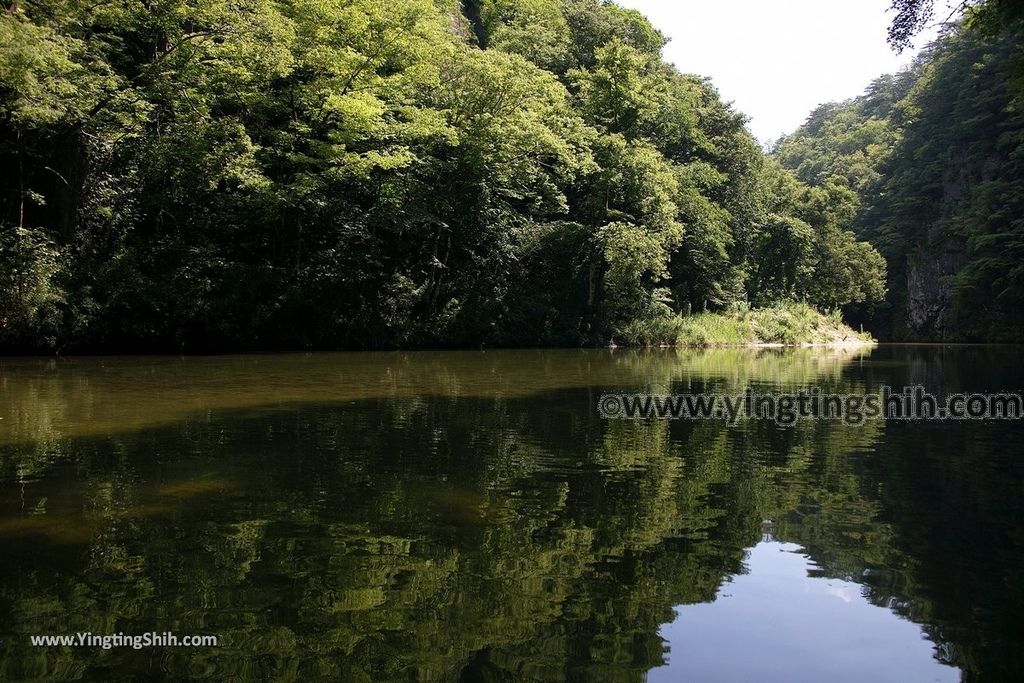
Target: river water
point(470, 516)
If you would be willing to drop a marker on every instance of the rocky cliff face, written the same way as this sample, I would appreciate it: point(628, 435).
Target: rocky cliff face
point(929, 302)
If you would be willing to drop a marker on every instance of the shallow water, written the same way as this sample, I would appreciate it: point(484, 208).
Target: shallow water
point(469, 516)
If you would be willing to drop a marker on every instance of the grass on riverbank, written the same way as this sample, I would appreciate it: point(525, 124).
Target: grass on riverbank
point(790, 324)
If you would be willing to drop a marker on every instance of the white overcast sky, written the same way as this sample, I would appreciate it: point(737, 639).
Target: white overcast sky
point(777, 60)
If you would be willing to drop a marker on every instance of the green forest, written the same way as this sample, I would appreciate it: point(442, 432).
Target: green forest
point(935, 155)
point(201, 175)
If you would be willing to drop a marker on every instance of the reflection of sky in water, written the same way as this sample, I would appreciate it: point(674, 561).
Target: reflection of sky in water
point(778, 623)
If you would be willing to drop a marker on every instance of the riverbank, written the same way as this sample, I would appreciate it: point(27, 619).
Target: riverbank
point(781, 325)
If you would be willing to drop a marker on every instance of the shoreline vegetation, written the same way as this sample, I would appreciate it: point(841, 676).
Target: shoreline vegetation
point(782, 325)
point(292, 175)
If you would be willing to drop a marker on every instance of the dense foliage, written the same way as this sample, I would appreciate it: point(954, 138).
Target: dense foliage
point(911, 17)
point(201, 174)
point(936, 156)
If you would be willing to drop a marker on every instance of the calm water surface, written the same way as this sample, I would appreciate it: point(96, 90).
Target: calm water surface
point(468, 516)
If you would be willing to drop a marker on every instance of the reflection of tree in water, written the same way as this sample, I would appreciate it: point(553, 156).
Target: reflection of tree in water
point(492, 538)
point(45, 400)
